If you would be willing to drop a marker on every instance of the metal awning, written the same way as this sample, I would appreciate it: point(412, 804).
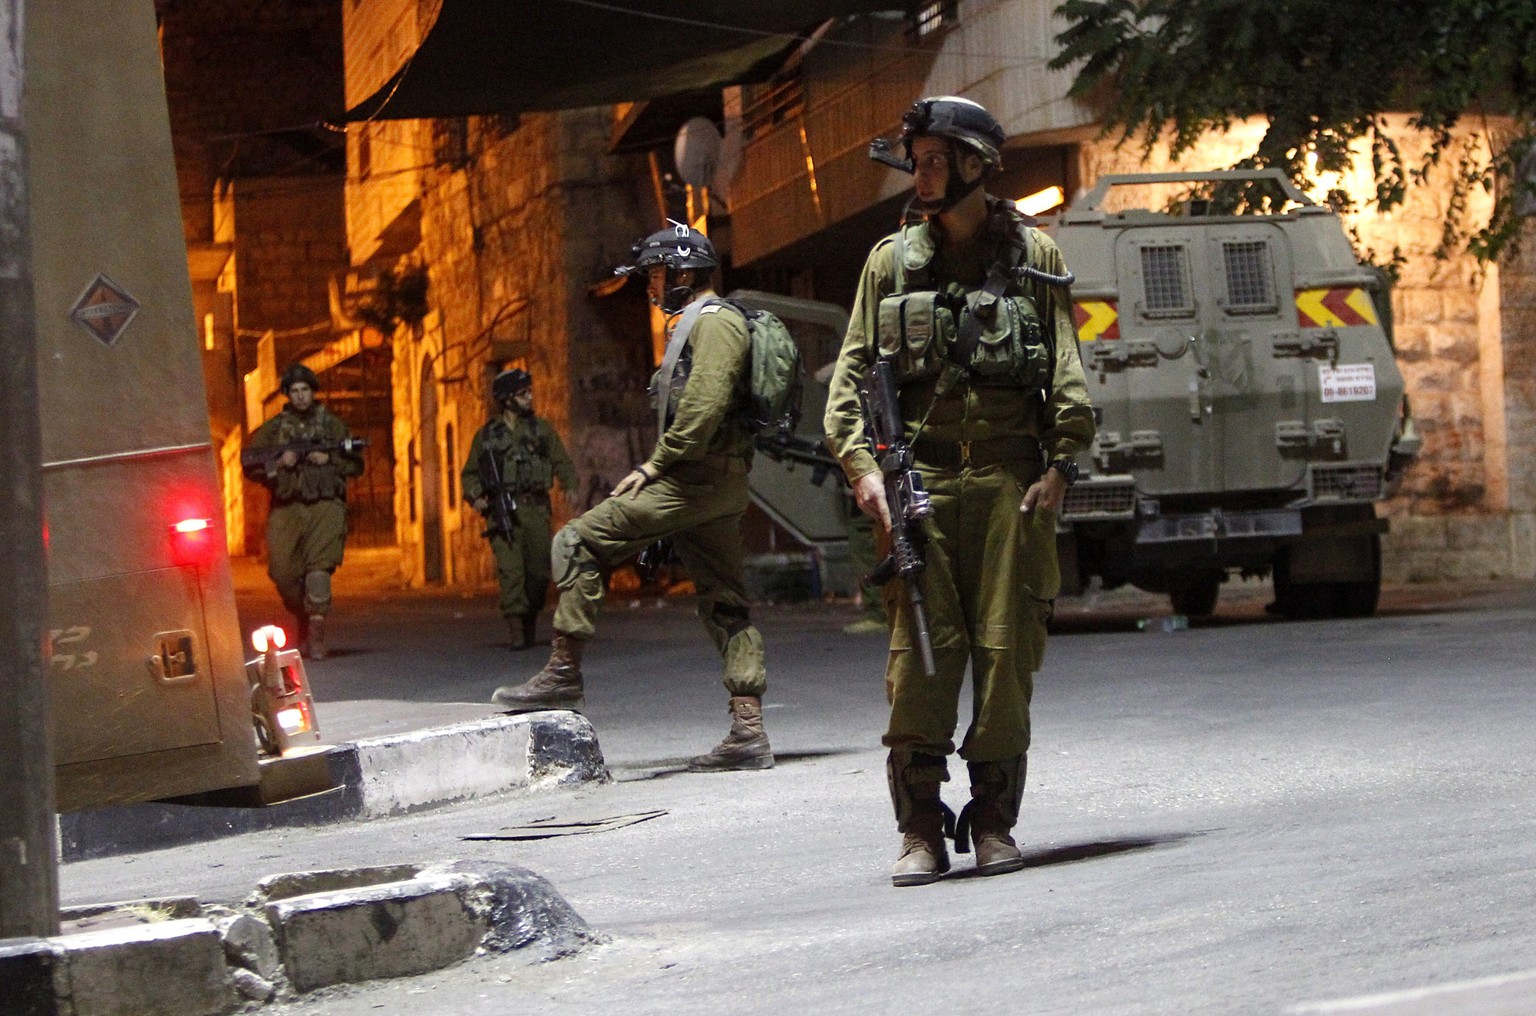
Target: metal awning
point(487, 57)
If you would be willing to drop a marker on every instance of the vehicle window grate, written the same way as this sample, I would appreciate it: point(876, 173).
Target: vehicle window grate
point(1249, 288)
point(1165, 281)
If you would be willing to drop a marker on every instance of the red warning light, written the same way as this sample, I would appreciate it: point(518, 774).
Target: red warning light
point(191, 541)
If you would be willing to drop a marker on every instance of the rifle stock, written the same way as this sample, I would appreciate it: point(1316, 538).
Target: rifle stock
point(905, 497)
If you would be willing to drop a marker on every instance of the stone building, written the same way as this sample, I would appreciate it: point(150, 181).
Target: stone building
point(250, 88)
point(508, 222)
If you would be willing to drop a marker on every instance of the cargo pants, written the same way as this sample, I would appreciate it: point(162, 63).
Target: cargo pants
point(991, 574)
point(305, 543)
point(699, 506)
point(522, 561)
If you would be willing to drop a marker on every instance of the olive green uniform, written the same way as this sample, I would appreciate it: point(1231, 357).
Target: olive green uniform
point(307, 526)
point(991, 570)
point(698, 500)
point(530, 457)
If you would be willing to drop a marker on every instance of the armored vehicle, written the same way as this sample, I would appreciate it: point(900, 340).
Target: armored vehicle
point(1251, 412)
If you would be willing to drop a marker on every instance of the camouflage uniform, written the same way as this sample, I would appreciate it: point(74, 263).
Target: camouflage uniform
point(698, 500)
point(307, 526)
point(530, 457)
point(991, 570)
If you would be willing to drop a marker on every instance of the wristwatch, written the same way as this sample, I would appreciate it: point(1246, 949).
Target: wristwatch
point(1066, 467)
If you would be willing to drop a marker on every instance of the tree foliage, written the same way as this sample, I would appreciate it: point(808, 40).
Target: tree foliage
point(1324, 74)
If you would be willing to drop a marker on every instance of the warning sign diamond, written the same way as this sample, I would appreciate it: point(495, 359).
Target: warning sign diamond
point(104, 310)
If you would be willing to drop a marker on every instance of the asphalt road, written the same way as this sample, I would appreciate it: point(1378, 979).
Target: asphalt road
point(1235, 818)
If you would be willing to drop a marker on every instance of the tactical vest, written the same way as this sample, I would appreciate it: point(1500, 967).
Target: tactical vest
point(923, 327)
point(524, 455)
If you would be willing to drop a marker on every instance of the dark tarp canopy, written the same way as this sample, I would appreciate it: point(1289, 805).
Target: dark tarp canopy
point(485, 57)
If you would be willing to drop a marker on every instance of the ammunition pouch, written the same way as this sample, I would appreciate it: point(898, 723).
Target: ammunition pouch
point(921, 332)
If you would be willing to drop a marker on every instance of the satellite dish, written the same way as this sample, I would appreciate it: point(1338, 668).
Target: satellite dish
point(697, 152)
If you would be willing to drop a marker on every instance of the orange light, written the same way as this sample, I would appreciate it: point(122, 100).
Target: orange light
point(271, 635)
point(1041, 201)
point(193, 525)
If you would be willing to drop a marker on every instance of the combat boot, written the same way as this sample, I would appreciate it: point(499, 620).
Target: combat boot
point(996, 791)
point(557, 686)
point(517, 634)
point(745, 747)
point(316, 637)
point(921, 816)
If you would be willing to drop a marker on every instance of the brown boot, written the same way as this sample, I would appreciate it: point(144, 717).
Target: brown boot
point(517, 637)
point(996, 791)
point(316, 639)
point(745, 747)
point(557, 686)
point(921, 816)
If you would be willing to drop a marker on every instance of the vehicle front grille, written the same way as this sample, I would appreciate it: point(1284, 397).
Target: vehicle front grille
point(1346, 482)
point(1100, 499)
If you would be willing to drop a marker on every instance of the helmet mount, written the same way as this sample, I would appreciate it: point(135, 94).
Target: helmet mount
point(968, 128)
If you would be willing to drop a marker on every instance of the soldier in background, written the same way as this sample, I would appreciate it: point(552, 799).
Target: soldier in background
point(307, 526)
point(995, 406)
point(692, 490)
point(863, 555)
point(524, 455)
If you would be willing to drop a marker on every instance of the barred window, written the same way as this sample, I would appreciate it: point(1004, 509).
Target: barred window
point(1165, 281)
point(1250, 288)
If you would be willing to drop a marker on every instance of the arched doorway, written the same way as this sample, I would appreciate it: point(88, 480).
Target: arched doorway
point(431, 486)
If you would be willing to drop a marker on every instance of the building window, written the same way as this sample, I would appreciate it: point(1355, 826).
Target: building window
point(926, 19)
point(1249, 287)
point(451, 456)
point(1165, 281)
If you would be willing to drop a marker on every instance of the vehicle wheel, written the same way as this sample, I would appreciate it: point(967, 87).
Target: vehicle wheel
point(1359, 599)
point(1297, 600)
point(1198, 599)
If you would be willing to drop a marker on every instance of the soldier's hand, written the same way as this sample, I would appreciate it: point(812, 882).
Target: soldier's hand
point(1047, 492)
point(319, 458)
point(869, 494)
point(289, 459)
point(631, 484)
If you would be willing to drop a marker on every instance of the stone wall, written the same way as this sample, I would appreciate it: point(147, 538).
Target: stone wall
point(518, 220)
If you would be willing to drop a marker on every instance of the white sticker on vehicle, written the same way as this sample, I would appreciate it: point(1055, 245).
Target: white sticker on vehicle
point(1353, 382)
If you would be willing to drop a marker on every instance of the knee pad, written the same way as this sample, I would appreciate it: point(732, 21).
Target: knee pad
point(317, 589)
point(732, 620)
point(569, 558)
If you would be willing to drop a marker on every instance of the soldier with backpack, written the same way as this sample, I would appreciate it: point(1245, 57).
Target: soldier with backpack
point(692, 490)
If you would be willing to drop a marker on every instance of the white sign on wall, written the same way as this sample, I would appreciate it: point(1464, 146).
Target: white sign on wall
point(1353, 382)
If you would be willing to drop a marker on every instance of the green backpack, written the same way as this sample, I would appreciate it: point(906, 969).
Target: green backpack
point(776, 376)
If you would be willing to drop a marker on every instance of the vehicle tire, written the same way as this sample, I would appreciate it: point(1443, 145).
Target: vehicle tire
point(1300, 600)
point(1359, 599)
point(1198, 598)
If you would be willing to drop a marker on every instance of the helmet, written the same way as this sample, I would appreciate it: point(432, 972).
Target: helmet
point(509, 382)
point(960, 120)
point(296, 373)
point(679, 249)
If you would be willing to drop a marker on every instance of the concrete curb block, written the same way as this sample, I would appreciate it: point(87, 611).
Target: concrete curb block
point(297, 933)
point(376, 777)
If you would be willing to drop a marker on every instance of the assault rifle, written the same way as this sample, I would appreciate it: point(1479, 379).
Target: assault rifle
point(501, 508)
point(781, 446)
point(261, 464)
point(905, 497)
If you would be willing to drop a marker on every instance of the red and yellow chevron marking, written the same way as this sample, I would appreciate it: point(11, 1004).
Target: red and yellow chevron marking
point(1334, 308)
point(1096, 319)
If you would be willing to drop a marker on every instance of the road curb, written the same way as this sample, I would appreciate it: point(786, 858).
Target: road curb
point(375, 778)
point(297, 933)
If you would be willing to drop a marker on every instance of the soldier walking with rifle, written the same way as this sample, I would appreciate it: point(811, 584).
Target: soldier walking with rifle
point(956, 408)
point(305, 455)
point(513, 462)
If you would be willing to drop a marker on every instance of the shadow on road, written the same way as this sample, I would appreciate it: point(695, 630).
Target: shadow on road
point(665, 768)
point(1074, 852)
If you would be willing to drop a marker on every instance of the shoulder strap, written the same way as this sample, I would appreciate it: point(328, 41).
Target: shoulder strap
point(666, 375)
